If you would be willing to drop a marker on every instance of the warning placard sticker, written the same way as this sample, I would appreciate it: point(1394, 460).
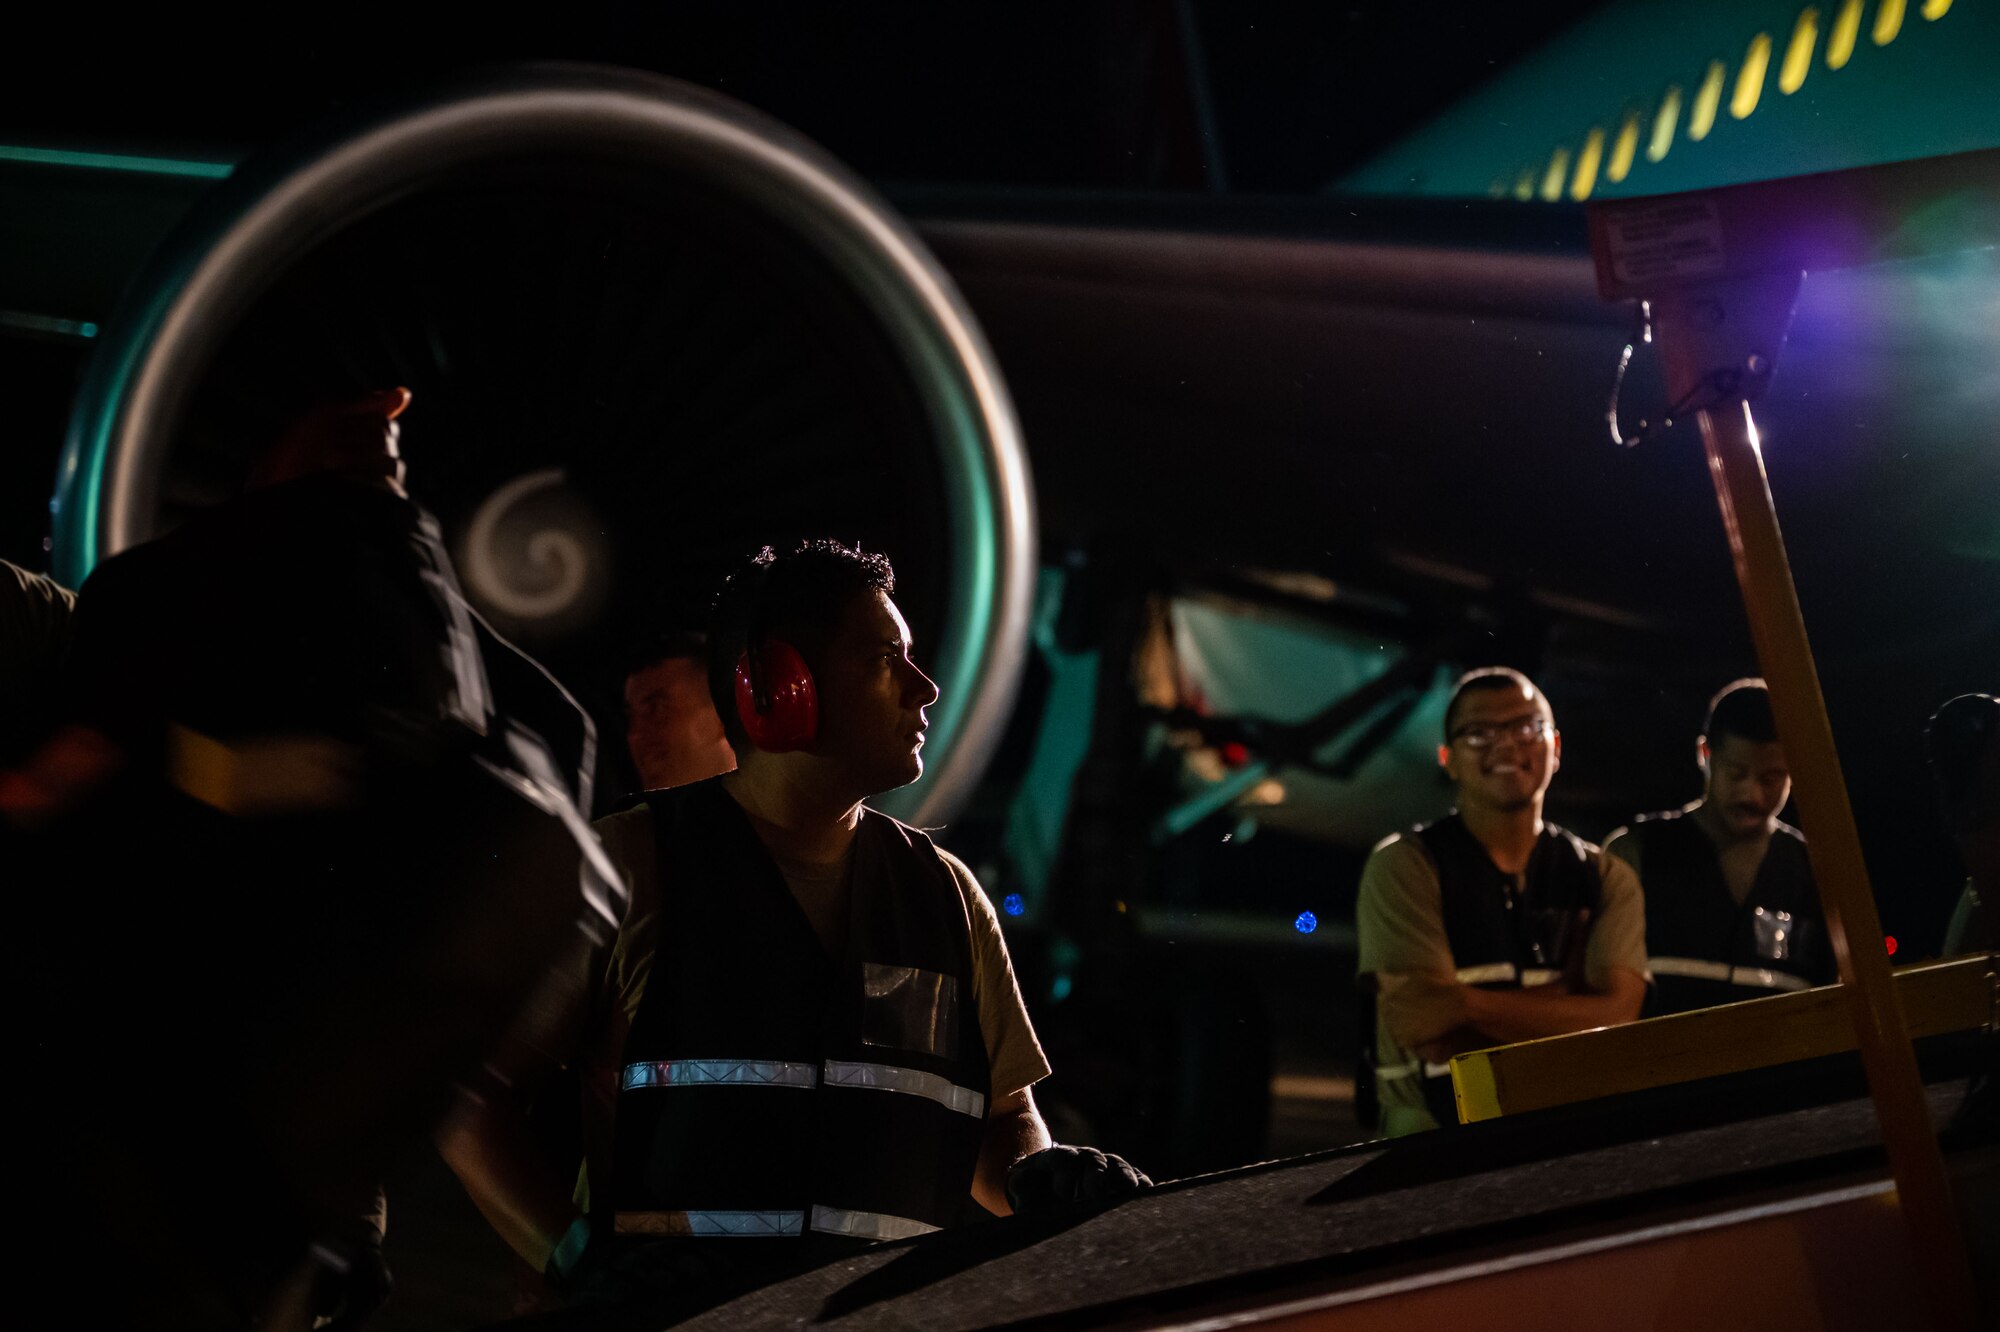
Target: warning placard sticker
point(1673, 238)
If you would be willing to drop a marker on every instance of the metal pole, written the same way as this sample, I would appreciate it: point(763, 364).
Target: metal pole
point(1736, 464)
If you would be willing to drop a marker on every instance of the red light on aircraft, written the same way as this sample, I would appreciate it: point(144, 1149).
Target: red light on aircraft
point(1890, 940)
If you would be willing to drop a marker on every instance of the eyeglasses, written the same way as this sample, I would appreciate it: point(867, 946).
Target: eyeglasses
point(1527, 730)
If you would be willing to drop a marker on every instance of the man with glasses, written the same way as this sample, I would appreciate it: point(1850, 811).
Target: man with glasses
point(1489, 925)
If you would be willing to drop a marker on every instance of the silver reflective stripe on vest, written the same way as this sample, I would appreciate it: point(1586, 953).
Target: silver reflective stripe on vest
point(1494, 972)
point(1397, 1072)
point(717, 1225)
point(719, 1073)
point(886, 1077)
point(1757, 978)
point(867, 1225)
point(1769, 980)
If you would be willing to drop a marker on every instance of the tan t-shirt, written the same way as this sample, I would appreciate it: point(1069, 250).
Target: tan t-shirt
point(1400, 921)
point(1014, 1054)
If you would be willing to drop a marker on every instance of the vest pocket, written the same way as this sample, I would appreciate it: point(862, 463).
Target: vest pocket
point(908, 1008)
point(1773, 933)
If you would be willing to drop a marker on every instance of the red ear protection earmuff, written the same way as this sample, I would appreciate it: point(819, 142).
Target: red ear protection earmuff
point(775, 697)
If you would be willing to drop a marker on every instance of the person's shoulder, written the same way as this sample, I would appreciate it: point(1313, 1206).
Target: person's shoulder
point(1399, 864)
point(643, 807)
point(627, 836)
point(1402, 847)
point(1628, 843)
point(114, 572)
point(35, 615)
point(1660, 820)
point(25, 585)
point(981, 917)
point(959, 869)
point(888, 822)
point(961, 873)
point(1615, 861)
point(634, 818)
point(1610, 868)
point(893, 832)
point(1583, 847)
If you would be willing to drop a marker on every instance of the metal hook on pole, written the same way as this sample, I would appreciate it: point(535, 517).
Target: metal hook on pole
point(1642, 332)
point(1692, 346)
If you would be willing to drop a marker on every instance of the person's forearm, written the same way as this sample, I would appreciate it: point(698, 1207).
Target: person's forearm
point(1421, 1010)
point(488, 1148)
point(1015, 1130)
point(1505, 1016)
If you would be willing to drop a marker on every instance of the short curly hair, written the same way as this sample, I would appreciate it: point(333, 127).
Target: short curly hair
point(1740, 708)
point(798, 596)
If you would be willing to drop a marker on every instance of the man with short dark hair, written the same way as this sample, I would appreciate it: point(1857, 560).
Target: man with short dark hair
point(808, 1035)
point(1489, 925)
point(672, 731)
point(1731, 908)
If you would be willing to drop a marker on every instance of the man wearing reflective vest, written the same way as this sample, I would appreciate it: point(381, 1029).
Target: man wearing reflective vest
point(1731, 908)
point(808, 1036)
point(1489, 925)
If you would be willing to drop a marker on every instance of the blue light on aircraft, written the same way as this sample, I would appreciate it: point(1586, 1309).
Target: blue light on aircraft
point(1012, 904)
point(1306, 923)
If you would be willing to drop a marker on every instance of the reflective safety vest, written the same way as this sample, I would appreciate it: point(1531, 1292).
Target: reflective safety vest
point(1504, 937)
point(1704, 947)
point(772, 1092)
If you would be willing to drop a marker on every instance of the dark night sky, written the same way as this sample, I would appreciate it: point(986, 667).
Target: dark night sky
point(1075, 95)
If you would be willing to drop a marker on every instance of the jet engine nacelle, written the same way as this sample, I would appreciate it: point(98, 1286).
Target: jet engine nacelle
point(647, 329)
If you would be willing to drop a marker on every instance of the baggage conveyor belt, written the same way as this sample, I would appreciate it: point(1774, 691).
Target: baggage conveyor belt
point(1380, 1218)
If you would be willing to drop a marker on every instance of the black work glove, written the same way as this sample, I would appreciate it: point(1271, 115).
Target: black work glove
point(354, 1280)
point(1058, 1176)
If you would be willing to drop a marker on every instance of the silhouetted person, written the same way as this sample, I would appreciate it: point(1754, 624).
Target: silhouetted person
point(324, 830)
